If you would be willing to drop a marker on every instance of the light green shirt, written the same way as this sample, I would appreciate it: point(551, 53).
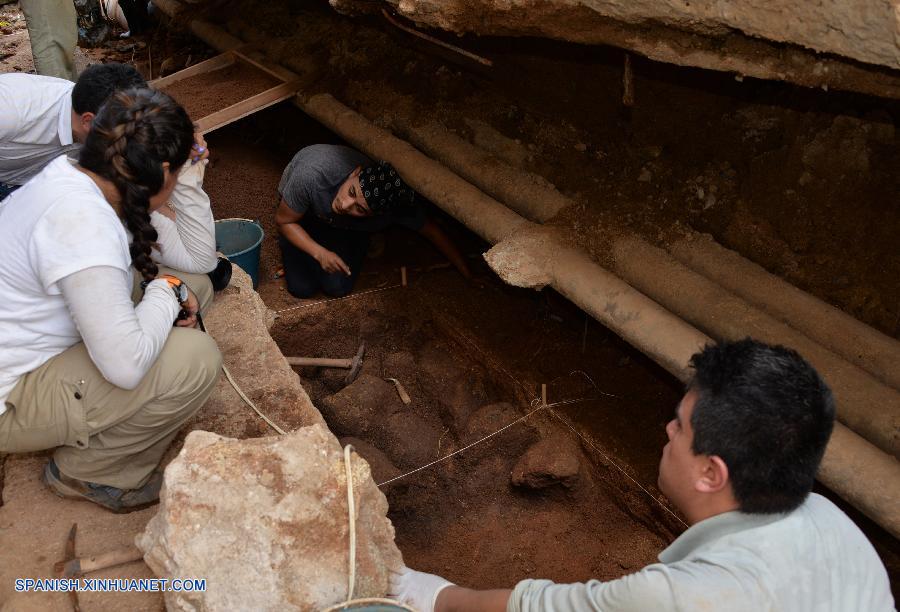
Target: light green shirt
point(812, 559)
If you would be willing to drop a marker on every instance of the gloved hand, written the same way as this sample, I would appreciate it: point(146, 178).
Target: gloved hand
point(416, 589)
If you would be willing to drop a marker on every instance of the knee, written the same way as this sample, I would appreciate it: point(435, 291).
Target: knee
point(300, 286)
point(192, 360)
point(337, 285)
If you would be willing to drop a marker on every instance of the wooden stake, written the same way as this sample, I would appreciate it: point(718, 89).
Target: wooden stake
point(403, 275)
point(627, 83)
point(544, 394)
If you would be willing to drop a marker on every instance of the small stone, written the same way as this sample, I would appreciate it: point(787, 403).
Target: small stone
point(645, 176)
point(551, 461)
point(581, 147)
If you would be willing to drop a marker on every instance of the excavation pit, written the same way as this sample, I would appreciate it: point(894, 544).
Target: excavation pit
point(473, 357)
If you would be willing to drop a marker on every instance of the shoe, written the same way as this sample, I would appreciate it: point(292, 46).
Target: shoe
point(114, 499)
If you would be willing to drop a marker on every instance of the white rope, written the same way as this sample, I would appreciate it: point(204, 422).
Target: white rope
point(351, 510)
point(351, 571)
point(615, 465)
point(250, 403)
point(352, 296)
point(465, 448)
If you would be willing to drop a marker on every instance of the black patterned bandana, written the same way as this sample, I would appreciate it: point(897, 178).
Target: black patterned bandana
point(384, 190)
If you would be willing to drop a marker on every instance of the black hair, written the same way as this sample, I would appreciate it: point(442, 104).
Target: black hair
point(768, 414)
point(99, 81)
point(130, 138)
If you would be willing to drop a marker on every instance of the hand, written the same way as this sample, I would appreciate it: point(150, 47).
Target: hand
point(190, 308)
point(199, 150)
point(332, 263)
point(416, 589)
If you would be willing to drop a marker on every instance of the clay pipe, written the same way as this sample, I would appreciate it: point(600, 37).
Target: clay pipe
point(354, 364)
point(85, 565)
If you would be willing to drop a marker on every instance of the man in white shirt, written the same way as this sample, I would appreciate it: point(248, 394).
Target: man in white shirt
point(743, 450)
point(44, 117)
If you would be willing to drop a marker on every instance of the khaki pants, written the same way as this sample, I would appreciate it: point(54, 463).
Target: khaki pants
point(106, 434)
point(53, 31)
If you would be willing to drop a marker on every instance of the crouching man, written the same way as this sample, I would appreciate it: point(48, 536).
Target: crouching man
point(332, 199)
point(743, 450)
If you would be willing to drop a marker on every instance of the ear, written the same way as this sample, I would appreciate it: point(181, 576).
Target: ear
point(86, 120)
point(356, 171)
point(714, 475)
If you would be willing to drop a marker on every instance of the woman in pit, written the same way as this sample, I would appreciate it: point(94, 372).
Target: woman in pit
point(84, 368)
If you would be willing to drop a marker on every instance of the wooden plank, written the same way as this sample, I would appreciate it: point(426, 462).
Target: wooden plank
point(278, 74)
point(246, 107)
point(222, 60)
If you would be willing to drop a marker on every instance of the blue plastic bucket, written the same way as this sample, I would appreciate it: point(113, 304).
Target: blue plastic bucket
point(240, 240)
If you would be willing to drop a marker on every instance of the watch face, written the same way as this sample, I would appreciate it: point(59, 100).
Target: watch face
point(182, 293)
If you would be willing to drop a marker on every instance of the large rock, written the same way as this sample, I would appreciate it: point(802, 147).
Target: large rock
point(264, 521)
point(864, 30)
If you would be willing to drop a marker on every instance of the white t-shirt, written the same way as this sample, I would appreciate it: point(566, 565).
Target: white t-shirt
point(814, 559)
point(35, 124)
point(56, 228)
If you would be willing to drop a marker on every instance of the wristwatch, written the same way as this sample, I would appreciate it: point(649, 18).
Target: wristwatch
point(178, 287)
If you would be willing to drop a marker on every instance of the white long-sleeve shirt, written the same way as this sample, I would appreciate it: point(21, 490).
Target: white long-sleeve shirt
point(813, 559)
point(67, 277)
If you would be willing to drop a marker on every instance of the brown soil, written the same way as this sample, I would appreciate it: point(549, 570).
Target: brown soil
point(206, 93)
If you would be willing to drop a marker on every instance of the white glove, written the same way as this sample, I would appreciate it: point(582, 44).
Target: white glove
point(416, 589)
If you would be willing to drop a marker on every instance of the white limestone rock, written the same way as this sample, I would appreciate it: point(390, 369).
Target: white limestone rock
point(265, 522)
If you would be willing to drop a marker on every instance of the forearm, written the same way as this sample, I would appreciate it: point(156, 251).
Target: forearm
point(300, 238)
point(459, 599)
point(187, 242)
point(122, 340)
point(442, 242)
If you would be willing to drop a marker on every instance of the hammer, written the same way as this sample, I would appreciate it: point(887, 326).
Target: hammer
point(72, 566)
point(354, 365)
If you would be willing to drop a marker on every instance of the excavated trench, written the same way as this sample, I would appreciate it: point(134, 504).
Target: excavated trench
point(754, 165)
point(472, 357)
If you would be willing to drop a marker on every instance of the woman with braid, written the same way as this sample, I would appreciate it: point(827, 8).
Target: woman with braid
point(82, 367)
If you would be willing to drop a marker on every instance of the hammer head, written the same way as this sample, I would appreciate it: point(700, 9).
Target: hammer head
point(356, 364)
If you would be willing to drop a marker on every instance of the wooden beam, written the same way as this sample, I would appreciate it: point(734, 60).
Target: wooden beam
point(246, 107)
point(218, 62)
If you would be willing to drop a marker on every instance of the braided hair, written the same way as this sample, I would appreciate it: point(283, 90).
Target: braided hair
point(136, 131)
